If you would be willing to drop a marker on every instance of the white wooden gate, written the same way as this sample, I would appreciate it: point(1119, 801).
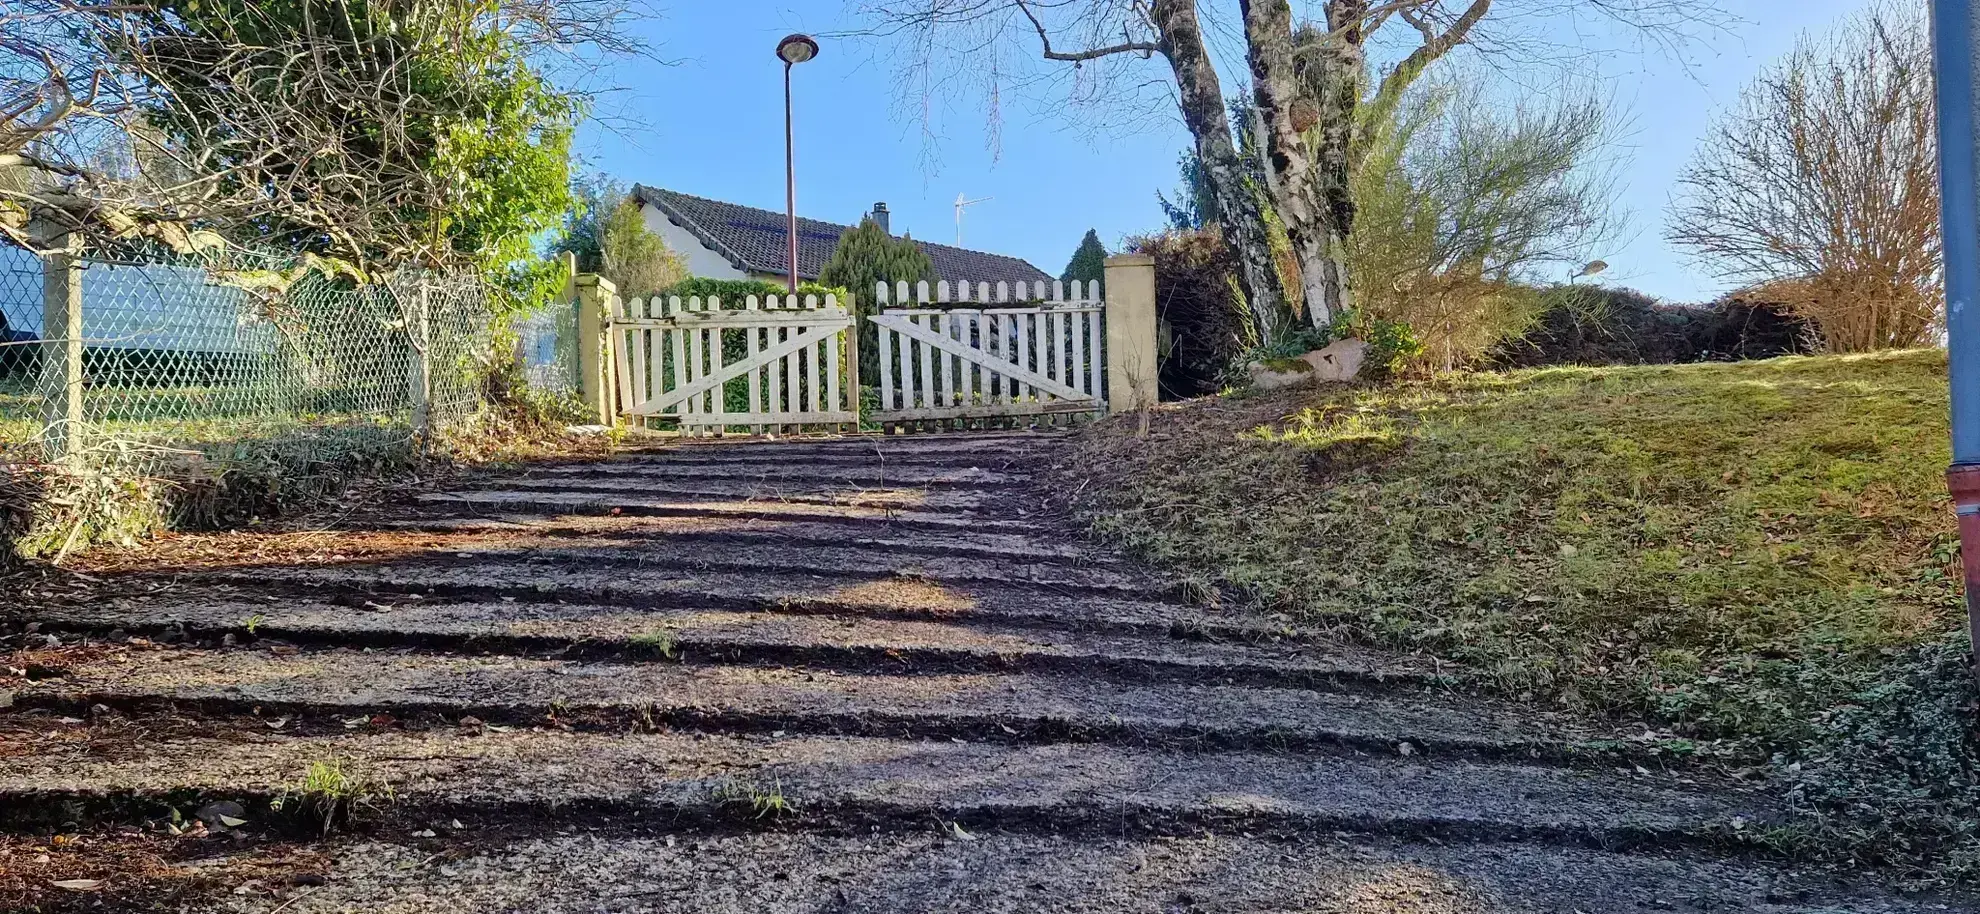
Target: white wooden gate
point(981, 353)
point(775, 365)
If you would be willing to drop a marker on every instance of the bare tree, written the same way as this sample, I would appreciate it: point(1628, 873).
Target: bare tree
point(1823, 183)
point(1306, 81)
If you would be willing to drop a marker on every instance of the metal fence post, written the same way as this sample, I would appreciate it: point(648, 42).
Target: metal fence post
point(1131, 329)
point(62, 355)
point(596, 299)
point(420, 331)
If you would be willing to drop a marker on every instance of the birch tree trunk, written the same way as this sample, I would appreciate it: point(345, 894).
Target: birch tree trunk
point(1242, 217)
point(1305, 97)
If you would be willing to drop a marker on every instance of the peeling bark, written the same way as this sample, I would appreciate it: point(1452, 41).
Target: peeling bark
point(1306, 96)
point(1242, 218)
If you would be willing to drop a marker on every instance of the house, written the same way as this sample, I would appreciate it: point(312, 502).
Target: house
point(729, 241)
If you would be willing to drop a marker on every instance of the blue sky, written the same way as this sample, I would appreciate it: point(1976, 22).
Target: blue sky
point(711, 123)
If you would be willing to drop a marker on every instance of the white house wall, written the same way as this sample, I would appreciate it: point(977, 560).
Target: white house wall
point(701, 260)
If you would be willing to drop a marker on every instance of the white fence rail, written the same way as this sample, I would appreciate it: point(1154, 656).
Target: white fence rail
point(1032, 350)
point(776, 364)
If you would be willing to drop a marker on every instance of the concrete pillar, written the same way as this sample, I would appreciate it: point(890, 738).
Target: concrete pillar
point(1131, 328)
point(62, 356)
point(596, 299)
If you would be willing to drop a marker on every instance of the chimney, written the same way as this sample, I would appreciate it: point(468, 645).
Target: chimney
point(880, 217)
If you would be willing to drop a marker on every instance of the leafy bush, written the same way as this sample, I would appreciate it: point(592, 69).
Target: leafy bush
point(1391, 344)
point(1460, 206)
point(865, 257)
point(1089, 260)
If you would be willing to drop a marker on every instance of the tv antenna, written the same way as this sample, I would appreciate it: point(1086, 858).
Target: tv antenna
point(962, 202)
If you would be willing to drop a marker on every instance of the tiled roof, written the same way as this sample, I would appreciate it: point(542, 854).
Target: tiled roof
point(754, 240)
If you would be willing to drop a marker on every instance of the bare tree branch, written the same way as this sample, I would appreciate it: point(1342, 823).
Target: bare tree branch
point(1145, 48)
point(1307, 79)
point(1822, 185)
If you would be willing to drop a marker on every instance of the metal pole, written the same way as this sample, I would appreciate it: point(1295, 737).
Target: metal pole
point(1953, 42)
point(62, 353)
point(790, 175)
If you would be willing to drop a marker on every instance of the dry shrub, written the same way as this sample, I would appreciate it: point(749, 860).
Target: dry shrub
point(1823, 185)
point(20, 491)
point(1204, 324)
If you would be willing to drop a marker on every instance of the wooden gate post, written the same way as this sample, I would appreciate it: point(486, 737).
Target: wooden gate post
point(62, 355)
point(596, 298)
point(1131, 361)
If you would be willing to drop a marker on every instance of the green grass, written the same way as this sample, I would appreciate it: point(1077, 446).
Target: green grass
point(1737, 552)
point(758, 801)
point(330, 794)
point(657, 643)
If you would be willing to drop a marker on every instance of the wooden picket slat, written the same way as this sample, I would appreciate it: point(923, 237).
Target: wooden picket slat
point(946, 325)
point(753, 338)
point(1078, 319)
point(718, 398)
point(889, 397)
point(927, 352)
point(1094, 361)
point(966, 335)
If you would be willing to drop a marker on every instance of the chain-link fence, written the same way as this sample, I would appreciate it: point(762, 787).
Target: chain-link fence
point(176, 371)
point(547, 343)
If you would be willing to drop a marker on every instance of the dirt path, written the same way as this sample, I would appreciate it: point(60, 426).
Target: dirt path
point(856, 675)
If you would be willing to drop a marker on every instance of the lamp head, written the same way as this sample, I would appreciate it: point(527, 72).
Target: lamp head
point(796, 49)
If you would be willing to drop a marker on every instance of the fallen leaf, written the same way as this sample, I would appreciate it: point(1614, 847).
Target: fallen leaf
point(79, 885)
point(232, 822)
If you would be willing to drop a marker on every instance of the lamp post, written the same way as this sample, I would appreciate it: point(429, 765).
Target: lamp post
point(1953, 24)
point(793, 50)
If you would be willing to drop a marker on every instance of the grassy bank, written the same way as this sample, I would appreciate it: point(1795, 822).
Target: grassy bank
point(1759, 554)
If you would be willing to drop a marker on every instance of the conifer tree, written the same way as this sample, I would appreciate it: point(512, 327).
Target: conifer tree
point(865, 257)
point(1089, 262)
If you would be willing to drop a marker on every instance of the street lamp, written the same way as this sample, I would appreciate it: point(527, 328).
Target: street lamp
point(793, 50)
